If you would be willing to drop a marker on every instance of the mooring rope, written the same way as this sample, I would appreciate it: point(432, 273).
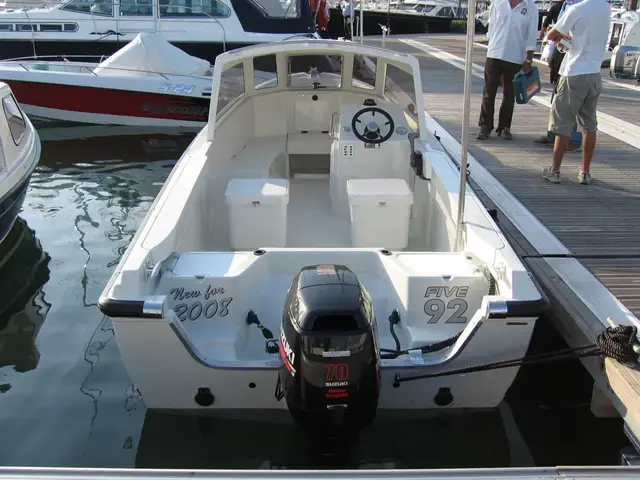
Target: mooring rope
point(618, 343)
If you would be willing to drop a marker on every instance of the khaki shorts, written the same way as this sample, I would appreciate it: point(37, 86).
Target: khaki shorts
point(575, 101)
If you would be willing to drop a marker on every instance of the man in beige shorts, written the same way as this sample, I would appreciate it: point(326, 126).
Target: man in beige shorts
point(585, 28)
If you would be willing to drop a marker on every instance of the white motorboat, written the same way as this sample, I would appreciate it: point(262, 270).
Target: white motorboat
point(307, 241)
point(435, 8)
point(624, 30)
point(148, 82)
point(19, 156)
point(203, 28)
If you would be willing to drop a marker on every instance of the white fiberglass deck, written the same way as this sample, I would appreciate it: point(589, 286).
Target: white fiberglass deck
point(309, 222)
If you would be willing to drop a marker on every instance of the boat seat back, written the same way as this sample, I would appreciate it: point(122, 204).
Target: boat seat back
point(309, 143)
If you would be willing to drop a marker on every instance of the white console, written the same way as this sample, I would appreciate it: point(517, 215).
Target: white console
point(355, 158)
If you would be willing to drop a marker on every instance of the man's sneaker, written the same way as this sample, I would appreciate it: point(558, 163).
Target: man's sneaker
point(553, 177)
point(505, 133)
point(584, 178)
point(483, 134)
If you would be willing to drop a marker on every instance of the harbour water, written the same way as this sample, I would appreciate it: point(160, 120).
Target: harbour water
point(66, 399)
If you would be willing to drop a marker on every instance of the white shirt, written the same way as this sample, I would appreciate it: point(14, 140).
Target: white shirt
point(512, 31)
point(587, 23)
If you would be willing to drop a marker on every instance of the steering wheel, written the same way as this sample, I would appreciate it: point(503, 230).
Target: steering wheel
point(371, 132)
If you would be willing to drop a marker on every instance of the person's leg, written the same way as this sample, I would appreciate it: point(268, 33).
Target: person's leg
point(561, 121)
point(492, 71)
point(508, 100)
point(588, 121)
point(559, 147)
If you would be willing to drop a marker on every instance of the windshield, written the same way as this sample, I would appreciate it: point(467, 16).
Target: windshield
point(399, 88)
point(279, 8)
point(316, 71)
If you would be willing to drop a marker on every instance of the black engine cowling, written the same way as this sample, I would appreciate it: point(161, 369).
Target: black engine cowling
point(331, 363)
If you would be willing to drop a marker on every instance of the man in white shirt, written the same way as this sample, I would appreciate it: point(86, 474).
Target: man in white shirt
point(346, 15)
point(586, 26)
point(513, 29)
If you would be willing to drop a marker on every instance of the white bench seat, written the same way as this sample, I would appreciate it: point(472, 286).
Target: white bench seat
point(312, 143)
point(263, 157)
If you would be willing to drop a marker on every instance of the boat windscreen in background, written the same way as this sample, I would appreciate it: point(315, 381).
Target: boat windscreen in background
point(256, 16)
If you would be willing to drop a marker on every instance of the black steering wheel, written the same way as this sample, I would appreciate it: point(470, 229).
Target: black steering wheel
point(371, 132)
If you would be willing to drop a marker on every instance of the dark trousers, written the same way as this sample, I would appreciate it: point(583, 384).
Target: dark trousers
point(347, 28)
point(554, 66)
point(493, 70)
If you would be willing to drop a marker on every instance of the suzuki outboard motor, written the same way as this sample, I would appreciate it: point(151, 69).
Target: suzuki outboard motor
point(330, 376)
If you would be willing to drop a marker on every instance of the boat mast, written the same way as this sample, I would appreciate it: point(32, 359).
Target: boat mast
point(466, 104)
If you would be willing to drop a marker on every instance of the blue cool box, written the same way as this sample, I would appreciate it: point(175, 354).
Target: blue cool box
point(526, 85)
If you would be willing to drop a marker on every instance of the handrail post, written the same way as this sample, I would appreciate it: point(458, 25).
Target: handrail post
point(466, 105)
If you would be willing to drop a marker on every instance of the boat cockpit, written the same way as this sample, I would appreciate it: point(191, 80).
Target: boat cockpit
point(313, 147)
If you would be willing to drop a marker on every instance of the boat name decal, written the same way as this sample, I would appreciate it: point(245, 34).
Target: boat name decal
point(177, 88)
point(186, 110)
point(182, 294)
point(206, 306)
point(435, 308)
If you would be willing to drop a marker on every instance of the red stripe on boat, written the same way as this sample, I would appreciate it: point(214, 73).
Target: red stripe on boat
point(110, 101)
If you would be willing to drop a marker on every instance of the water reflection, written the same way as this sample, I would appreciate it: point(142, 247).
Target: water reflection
point(24, 269)
point(85, 203)
point(269, 440)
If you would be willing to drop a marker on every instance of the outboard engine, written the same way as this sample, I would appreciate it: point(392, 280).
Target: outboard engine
point(330, 376)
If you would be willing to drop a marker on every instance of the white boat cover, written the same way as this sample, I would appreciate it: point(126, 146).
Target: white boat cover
point(149, 53)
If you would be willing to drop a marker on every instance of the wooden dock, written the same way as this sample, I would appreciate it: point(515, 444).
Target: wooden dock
point(580, 242)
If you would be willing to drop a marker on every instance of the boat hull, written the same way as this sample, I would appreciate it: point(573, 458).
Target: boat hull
point(106, 106)
point(240, 386)
point(11, 204)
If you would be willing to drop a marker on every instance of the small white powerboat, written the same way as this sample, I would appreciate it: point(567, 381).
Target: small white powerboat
point(305, 244)
point(624, 31)
point(19, 156)
point(148, 82)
